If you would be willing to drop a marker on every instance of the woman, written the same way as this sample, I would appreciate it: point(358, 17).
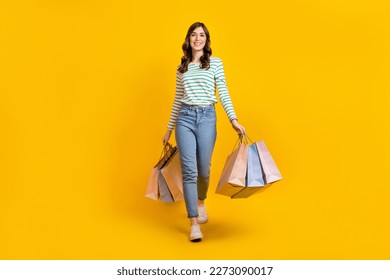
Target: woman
point(193, 114)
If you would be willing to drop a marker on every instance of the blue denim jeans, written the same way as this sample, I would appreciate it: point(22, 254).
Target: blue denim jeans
point(195, 136)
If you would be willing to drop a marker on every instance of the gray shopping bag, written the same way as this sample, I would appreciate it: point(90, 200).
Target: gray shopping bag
point(164, 193)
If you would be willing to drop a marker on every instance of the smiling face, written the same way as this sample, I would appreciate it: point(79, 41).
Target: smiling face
point(198, 39)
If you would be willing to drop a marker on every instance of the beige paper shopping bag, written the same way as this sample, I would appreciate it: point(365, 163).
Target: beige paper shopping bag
point(234, 172)
point(152, 187)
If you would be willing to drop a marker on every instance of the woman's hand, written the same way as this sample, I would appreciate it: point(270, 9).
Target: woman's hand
point(166, 137)
point(239, 128)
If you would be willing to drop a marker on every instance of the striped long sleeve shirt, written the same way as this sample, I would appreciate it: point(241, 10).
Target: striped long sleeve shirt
point(197, 86)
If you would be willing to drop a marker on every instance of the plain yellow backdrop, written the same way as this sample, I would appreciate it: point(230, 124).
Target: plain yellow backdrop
point(86, 89)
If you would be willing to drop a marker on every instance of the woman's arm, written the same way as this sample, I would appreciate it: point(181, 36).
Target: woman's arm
point(226, 101)
point(175, 107)
point(166, 137)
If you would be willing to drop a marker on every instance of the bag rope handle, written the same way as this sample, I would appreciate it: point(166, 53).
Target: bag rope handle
point(242, 139)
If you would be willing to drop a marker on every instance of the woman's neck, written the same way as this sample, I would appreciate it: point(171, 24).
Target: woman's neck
point(196, 56)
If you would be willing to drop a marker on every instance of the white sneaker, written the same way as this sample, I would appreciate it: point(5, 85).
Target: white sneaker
point(202, 218)
point(196, 235)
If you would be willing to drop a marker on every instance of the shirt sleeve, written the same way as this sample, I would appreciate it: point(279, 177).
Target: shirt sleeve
point(223, 92)
point(177, 102)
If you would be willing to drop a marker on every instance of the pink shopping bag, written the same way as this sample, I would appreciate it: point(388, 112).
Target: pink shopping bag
point(234, 172)
point(271, 171)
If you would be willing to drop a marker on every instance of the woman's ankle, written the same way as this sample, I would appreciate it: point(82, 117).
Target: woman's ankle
point(193, 221)
point(200, 203)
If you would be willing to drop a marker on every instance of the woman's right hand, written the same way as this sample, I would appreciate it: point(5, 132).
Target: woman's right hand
point(238, 128)
point(166, 137)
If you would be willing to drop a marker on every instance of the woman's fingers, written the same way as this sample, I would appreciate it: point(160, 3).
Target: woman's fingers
point(240, 129)
point(166, 137)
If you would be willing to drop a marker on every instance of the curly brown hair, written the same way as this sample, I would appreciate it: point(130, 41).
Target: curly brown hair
point(205, 58)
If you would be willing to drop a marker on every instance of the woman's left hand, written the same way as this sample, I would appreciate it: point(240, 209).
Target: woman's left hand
point(239, 128)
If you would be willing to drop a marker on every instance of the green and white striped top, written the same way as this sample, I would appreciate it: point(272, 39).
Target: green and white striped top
point(197, 87)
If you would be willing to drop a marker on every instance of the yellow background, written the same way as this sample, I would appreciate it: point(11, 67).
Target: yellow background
point(86, 93)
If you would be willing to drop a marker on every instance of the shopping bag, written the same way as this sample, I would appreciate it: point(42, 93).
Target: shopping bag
point(271, 172)
point(234, 172)
point(152, 189)
point(254, 176)
point(173, 176)
point(164, 193)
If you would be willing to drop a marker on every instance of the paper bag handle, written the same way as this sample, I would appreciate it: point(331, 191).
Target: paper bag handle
point(165, 150)
point(242, 139)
